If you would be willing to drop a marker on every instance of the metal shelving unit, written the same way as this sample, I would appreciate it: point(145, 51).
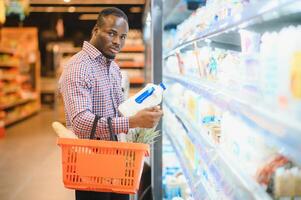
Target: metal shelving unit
point(244, 184)
point(153, 29)
point(254, 16)
point(196, 192)
point(286, 133)
point(277, 127)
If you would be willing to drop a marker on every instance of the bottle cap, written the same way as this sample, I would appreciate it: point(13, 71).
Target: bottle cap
point(162, 86)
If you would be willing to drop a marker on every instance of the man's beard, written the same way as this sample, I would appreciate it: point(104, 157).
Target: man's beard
point(108, 56)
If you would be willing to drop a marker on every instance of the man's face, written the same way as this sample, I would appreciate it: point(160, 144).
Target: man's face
point(110, 37)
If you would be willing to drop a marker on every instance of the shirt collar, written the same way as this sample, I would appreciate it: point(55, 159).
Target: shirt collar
point(94, 53)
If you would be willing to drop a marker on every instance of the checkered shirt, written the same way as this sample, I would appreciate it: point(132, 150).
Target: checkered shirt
point(91, 85)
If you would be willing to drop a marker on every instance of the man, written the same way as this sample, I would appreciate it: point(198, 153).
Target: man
point(91, 85)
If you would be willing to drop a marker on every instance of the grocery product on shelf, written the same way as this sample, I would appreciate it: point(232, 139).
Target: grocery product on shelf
point(287, 182)
point(174, 182)
point(264, 173)
point(240, 140)
point(264, 72)
point(19, 73)
point(233, 71)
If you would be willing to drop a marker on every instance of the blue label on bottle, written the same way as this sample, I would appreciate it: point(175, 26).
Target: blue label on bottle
point(144, 95)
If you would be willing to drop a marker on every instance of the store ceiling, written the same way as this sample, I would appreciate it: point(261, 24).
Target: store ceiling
point(77, 12)
point(85, 2)
point(82, 6)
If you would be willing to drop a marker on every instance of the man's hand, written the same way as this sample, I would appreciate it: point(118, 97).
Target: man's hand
point(146, 118)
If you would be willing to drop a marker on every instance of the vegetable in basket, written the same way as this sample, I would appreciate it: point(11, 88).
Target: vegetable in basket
point(138, 135)
point(143, 135)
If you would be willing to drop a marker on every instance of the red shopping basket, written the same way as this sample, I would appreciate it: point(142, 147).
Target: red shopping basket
point(103, 166)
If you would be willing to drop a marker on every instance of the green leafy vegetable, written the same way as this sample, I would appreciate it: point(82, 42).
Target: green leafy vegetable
point(143, 135)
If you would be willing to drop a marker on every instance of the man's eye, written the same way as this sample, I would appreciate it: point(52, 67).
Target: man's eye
point(111, 34)
point(123, 37)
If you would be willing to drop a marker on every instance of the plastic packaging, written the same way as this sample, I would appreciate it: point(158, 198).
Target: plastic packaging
point(149, 96)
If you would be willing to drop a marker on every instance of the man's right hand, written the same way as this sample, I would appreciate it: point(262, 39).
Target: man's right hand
point(146, 118)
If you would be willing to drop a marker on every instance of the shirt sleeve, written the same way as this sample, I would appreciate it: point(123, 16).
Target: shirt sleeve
point(76, 88)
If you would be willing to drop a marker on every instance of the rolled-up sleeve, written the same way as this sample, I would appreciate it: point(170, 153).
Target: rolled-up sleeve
point(76, 88)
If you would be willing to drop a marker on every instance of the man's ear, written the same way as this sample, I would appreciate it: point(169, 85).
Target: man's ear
point(95, 30)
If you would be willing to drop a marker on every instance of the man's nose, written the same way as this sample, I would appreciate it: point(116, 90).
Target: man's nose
point(116, 40)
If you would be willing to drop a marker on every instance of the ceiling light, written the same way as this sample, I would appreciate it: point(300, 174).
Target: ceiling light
point(71, 9)
point(49, 9)
point(87, 2)
point(62, 9)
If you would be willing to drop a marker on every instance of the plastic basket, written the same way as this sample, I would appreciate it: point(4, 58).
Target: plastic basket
point(103, 166)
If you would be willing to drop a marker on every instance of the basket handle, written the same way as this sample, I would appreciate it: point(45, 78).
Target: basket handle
point(113, 136)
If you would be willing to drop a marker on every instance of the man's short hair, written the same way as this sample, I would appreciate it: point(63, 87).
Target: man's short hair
point(110, 11)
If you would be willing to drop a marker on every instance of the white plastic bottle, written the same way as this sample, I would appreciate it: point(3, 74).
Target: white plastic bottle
point(149, 96)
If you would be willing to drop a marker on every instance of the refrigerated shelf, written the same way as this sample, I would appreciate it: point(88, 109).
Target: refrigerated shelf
point(195, 188)
point(260, 13)
point(279, 131)
point(246, 186)
point(195, 132)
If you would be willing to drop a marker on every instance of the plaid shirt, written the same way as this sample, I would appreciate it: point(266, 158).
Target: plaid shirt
point(91, 84)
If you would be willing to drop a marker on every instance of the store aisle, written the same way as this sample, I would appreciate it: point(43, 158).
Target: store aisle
point(30, 165)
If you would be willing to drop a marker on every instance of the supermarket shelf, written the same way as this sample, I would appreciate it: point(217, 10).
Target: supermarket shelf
point(8, 78)
point(7, 50)
point(197, 138)
point(10, 90)
point(249, 188)
point(8, 65)
point(280, 131)
point(176, 12)
point(18, 103)
point(22, 117)
point(137, 80)
point(133, 48)
point(195, 187)
point(259, 13)
point(130, 64)
point(69, 50)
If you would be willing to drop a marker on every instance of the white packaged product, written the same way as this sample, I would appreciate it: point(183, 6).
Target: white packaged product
point(149, 96)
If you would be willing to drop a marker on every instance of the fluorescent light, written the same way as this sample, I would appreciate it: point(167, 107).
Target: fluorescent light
point(49, 9)
point(67, 1)
point(89, 2)
point(71, 9)
point(66, 9)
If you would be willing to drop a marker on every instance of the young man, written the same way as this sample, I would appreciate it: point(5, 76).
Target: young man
point(91, 85)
